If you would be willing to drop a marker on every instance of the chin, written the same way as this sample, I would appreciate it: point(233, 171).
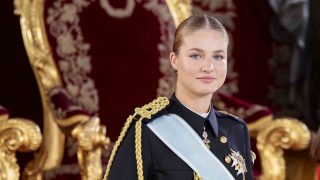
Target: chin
point(206, 92)
point(208, 88)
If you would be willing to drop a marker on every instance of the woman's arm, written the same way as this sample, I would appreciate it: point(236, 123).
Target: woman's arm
point(124, 166)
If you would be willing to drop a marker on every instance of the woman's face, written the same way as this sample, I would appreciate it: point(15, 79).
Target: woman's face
point(201, 63)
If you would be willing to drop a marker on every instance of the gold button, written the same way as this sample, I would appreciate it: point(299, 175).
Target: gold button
point(223, 139)
point(227, 159)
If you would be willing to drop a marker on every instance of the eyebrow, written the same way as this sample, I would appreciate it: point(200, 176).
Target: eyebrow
point(200, 50)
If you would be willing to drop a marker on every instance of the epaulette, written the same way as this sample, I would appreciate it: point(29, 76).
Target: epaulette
point(231, 115)
point(145, 112)
point(226, 113)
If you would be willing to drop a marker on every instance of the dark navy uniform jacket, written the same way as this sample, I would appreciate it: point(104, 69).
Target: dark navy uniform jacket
point(160, 163)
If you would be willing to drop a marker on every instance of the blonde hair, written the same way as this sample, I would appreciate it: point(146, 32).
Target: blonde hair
point(194, 23)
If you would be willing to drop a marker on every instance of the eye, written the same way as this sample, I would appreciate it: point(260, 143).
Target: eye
point(218, 57)
point(195, 56)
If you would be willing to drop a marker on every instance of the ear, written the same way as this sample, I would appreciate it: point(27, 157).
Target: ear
point(173, 61)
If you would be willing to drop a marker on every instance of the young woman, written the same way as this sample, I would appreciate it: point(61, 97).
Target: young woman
point(185, 138)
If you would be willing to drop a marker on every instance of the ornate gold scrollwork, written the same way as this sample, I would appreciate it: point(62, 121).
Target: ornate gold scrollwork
point(180, 10)
point(47, 76)
point(280, 134)
point(258, 125)
point(90, 137)
point(16, 135)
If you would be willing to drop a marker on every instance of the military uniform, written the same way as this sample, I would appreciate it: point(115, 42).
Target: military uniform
point(228, 136)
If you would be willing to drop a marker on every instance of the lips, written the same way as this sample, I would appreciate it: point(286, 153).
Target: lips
point(206, 79)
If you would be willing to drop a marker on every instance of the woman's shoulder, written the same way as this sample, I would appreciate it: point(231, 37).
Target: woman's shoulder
point(137, 121)
point(151, 110)
point(230, 122)
point(229, 116)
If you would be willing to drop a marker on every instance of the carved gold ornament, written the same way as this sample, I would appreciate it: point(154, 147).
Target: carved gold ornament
point(47, 76)
point(280, 134)
point(50, 155)
point(16, 134)
point(90, 137)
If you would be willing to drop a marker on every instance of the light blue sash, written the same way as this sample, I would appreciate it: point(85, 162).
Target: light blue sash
point(173, 131)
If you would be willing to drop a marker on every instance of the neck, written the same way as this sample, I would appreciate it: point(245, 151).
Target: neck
point(199, 104)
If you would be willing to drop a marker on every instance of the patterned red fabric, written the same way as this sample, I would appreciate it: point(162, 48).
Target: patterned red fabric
point(123, 58)
point(252, 50)
point(63, 105)
point(109, 65)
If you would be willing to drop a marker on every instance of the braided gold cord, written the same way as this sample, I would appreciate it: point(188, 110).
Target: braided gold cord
point(196, 176)
point(145, 112)
point(139, 149)
point(117, 144)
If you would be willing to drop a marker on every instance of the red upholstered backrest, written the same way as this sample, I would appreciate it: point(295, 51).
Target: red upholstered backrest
point(110, 64)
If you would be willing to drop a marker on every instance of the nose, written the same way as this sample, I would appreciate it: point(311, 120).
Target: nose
point(208, 66)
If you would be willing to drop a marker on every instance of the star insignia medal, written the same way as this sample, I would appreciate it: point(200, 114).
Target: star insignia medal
point(253, 156)
point(238, 162)
point(205, 138)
